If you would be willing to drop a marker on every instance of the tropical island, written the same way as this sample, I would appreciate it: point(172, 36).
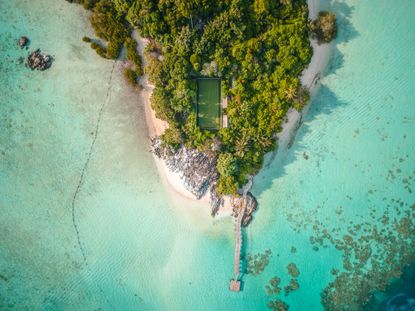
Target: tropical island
point(225, 74)
point(92, 218)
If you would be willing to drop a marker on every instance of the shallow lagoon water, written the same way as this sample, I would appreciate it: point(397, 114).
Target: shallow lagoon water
point(146, 250)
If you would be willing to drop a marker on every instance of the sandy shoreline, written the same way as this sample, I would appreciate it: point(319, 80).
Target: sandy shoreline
point(156, 127)
point(309, 79)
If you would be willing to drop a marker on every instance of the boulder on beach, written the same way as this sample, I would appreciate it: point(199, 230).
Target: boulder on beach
point(23, 42)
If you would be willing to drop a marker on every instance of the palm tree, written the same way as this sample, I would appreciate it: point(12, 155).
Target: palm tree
point(285, 2)
point(240, 146)
point(264, 141)
point(291, 92)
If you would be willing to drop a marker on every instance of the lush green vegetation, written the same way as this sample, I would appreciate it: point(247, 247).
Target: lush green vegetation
point(257, 47)
point(108, 19)
point(87, 39)
point(261, 46)
point(324, 29)
point(130, 76)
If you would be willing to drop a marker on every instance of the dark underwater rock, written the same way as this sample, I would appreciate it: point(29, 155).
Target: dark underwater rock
point(23, 42)
point(39, 61)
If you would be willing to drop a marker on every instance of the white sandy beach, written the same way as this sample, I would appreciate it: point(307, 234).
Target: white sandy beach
point(309, 78)
point(156, 127)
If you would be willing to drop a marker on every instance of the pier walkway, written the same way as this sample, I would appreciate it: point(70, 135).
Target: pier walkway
point(238, 244)
point(235, 284)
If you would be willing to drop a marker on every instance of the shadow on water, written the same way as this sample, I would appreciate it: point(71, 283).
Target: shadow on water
point(345, 33)
point(344, 12)
point(324, 103)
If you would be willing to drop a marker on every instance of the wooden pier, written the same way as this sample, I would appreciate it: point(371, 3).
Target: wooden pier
point(235, 284)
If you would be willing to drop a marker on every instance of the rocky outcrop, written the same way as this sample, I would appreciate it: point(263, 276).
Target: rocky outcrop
point(39, 61)
point(23, 42)
point(250, 204)
point(197, 169)
point(198, 172)
point(216, 201)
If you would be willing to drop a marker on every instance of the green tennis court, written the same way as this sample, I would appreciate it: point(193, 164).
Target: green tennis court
point(208, 103)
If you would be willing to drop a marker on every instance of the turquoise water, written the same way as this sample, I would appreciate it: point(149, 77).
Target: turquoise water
point(353, 160)
point(78, 126)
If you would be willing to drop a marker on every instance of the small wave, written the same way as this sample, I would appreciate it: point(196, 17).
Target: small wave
point(401, 302)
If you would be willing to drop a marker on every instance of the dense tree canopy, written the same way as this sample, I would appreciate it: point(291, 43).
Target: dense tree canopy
point(324, 29)
point(257, 47)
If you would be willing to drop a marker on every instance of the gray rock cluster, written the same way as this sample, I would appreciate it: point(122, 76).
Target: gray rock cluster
point(39, 61)
point(198, 172)
point(250, 206)
point(197, 169)
point(216, 200)
point(23, 42)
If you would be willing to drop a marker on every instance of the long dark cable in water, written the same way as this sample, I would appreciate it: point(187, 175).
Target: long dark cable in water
point(81, 179)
